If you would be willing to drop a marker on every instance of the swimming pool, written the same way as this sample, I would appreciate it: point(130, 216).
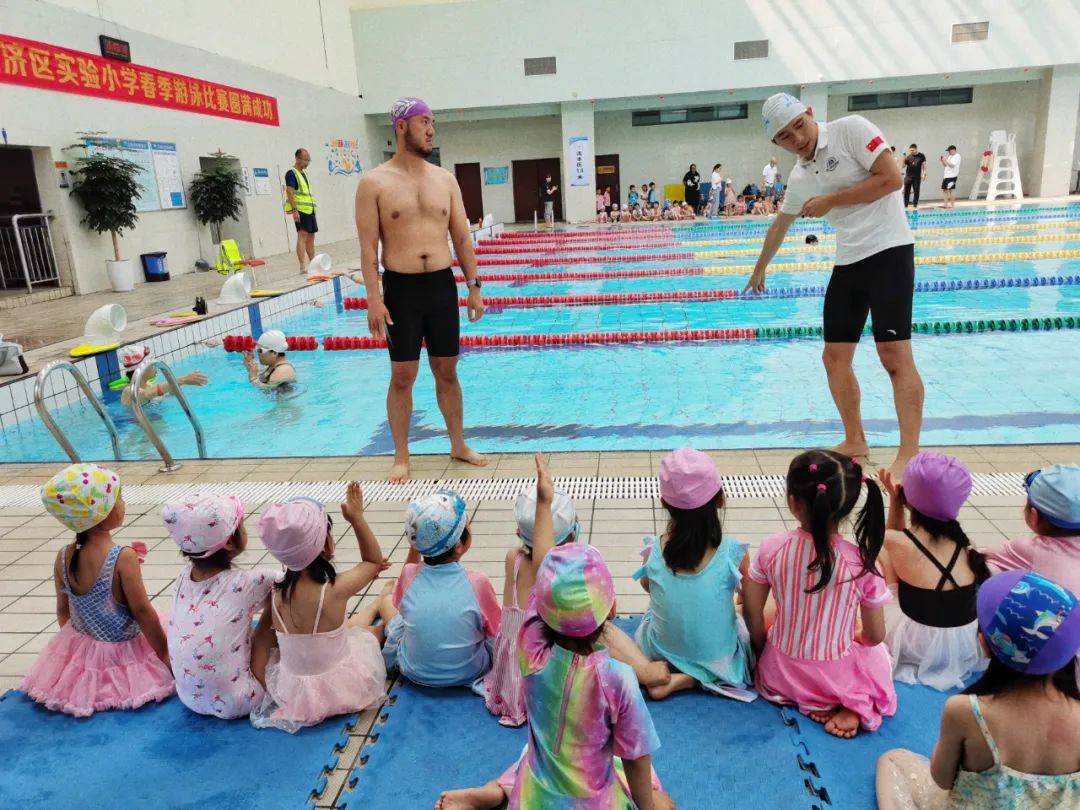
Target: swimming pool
point(987, 388)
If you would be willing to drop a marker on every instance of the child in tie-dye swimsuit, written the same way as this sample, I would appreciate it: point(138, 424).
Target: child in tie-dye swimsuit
point(584, 708)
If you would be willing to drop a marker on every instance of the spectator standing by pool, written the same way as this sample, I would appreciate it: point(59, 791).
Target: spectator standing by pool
point(691, 181)
point(652, 194)
point(607, 199)
point(300, 205)
point(845, 172)
point(716, 190)
point(632, 196)
point(914, 174)
point(950, 162)
point(768, 178)
point(547, 192)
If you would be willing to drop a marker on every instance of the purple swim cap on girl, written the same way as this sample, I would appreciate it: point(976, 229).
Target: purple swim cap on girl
point(408, 107)
point(936, 485)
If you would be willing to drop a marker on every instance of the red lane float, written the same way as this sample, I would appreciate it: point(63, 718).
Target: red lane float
point(587, 299)
point(246, 343)
point(531, 247)
point(589, 275)
point(641, 257)
point(585, 234)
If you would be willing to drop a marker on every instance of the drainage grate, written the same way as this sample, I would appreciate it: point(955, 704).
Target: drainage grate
point(471, 489)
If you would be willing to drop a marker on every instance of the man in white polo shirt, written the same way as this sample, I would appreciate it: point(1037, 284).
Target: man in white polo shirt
point(846, 172)
point(768, 178)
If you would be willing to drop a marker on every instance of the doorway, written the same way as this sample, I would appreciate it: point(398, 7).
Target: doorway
point(468, 177)
point(27, 247)
point(237, 230)
point(607, 174)
point(528, 178)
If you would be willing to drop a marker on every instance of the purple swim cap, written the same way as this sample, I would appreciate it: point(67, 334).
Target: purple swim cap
point(936, 485)
point(405, 108)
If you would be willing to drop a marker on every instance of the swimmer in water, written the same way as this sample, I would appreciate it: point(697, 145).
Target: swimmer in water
point(278, 373)
point(151, 390)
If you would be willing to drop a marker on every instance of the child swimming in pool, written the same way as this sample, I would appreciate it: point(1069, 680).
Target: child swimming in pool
point(1011, 740)
point(209, 628)
point(324, 664)
point(110, 651)
point(586, 713)
point(811, 656)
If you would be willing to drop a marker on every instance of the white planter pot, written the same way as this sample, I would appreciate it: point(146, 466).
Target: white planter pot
point(121, 275)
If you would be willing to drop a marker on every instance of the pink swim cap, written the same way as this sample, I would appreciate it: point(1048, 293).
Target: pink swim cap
point(688, 479)
point(408, 107)
point(294, 532)
point(936, 485)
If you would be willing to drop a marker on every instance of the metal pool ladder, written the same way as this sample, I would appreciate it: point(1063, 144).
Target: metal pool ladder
point(88, 392)
point(171, 465)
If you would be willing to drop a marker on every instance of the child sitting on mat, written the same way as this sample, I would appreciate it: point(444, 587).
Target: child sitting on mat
point(811, 656)
point(440, 617)
point(1052, 512)
point(110, 651)
point(324, 664)
point(1013, 739)
point(209, 628)
point(585, 709)
point(692, 573)
point(932, 630)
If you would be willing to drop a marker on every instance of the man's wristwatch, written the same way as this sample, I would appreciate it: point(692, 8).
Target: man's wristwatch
point(474, 282)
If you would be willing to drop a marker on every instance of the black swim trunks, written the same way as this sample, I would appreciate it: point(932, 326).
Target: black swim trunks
point(306, 223)
point(948, 184)
point(424, 307)
point(882, 286)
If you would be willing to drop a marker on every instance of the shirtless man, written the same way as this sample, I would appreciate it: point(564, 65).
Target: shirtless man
point(411, 205)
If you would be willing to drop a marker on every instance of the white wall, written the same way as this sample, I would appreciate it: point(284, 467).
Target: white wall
point(470, 55)
point(310, 116)
point(285, 36)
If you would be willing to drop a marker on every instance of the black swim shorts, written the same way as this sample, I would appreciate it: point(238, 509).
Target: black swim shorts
point(948, 184)
point(882, 286)
point(424, 307)
point(307, 223)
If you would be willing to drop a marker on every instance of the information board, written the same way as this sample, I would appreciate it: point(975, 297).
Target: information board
point(162, 186)
point(167, 168)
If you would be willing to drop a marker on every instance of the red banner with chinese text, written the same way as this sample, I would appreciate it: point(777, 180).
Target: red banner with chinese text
point(37, 64)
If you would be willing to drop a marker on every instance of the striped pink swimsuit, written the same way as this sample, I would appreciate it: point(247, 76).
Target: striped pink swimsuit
point(504, 688)
point(811, 658)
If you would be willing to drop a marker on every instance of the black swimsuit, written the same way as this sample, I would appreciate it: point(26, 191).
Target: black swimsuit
point(938, 607)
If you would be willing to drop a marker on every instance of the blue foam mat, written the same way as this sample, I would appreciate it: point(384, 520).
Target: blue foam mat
point(711, 747)
point(846, 768)
point(161, 755)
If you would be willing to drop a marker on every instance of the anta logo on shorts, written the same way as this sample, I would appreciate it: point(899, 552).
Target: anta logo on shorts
point(874, 144)
point(831, 164)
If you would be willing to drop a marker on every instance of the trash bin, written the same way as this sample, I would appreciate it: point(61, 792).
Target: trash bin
point(154, 266)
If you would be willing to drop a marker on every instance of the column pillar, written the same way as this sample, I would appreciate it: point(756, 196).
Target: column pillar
point(1055, 133)
point(816, 97)
point(578, 185)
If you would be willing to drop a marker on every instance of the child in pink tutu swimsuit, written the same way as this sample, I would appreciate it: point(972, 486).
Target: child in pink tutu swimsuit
point(323, 665)
point(822, 584)
point(110, 652)
point(213, 603)
point(504, 691)
point(585, 709)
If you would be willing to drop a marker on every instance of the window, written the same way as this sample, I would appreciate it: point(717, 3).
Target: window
point(913, 98)
point(752, 49)
point(971, 32)
point(688, 115)
point(540, 66)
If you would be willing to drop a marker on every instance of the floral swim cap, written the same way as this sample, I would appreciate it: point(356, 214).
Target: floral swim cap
point(574, 591)
point(81, 495)
point(202, 523)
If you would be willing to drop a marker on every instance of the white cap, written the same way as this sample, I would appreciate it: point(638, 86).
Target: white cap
point(273, 340)
point(779, 110)
point(563, 516)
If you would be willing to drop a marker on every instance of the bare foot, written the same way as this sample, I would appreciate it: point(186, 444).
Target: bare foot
point(470, 456)
point(844, 724)
point(656, 673)
point(823, 717)
point(896, 469)
point(852, 449)
point(679, 681)
point(490, 795)
point(399, 472)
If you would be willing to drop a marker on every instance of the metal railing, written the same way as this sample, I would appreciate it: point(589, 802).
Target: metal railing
point(171, 465)
point(27, 255)
point(88, 392)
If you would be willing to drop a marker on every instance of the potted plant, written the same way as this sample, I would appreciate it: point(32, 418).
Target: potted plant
point(215, 197)
point(107, 187)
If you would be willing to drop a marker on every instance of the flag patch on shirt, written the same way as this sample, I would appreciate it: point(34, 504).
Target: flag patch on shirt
point(874, 144)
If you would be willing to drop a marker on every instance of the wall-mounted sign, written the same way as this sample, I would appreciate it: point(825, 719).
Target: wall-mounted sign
point(261, 177)
point(49, 67)
point(113, 48)
point(161, 185)
point(496, 175)
point(579, 160)
point(343, 156)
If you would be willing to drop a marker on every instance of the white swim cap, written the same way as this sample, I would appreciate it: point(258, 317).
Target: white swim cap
point(563, 516)
point(779, 110)
point(273, 340)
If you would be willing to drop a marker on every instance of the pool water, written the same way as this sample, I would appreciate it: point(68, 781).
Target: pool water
point(993, 388)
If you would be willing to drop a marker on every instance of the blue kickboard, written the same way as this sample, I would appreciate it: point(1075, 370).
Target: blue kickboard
point(846, 768)
point(161, 755)
point(711, 747)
